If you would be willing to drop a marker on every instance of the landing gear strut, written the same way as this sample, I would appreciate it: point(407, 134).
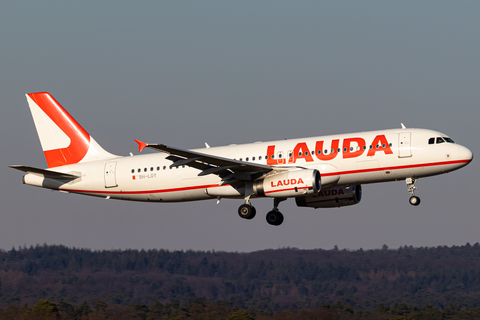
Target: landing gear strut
point(414, 200)
point(275, 217)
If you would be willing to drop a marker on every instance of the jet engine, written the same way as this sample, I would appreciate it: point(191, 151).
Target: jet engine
point(288, 184)
point(333, 197)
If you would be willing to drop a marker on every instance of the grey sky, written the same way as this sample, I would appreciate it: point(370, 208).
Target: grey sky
point(222, 72)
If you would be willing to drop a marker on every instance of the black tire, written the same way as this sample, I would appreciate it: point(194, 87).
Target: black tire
point(414, 200)
point(275, 218)
point(247, 211)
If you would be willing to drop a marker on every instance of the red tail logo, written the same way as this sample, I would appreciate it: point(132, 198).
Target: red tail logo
point(79, 138)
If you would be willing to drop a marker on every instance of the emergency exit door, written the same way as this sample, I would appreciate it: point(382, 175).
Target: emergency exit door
point(404, 145)
point(110, 179)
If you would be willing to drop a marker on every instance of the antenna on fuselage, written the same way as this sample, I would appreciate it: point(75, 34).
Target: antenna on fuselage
point(403, 126)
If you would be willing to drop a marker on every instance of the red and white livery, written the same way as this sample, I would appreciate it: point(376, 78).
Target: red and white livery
point(319, 172)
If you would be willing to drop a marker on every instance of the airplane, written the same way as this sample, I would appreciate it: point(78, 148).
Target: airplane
point(318, 172)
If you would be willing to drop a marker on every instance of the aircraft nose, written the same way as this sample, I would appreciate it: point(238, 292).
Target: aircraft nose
point(465, 154)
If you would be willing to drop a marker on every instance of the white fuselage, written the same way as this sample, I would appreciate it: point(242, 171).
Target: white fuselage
point(388, 155)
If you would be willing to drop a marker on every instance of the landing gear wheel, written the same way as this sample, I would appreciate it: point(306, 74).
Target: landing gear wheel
point(414, 200)
point(247, 211)
point(275, 218)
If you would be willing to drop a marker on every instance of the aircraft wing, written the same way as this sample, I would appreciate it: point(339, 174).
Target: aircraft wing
point(209, 164)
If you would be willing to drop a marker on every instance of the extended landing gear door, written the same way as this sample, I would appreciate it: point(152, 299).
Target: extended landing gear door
point(110, 180)
point(404, 147)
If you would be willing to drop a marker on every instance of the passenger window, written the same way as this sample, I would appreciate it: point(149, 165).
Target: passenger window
point(133, 170)
point(431, 141)
point(151, 169)
point(139, 170)
point(260, 158)
point(345, 149)
point(164, 167)
point(246, 159)
point(253, 158)
point(390, 145)
point(145, 169)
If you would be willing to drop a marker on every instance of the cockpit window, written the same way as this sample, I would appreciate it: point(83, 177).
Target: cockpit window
point(440, 140)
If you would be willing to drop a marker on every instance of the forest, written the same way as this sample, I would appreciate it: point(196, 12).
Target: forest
point(268, 283)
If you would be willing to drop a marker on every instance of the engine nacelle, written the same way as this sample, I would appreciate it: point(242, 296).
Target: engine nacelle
point(288, 184)
point(333, 197)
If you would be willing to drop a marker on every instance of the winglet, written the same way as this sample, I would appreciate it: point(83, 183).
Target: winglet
point(141, 145)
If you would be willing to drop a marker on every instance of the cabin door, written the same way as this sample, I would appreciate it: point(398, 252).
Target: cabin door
point(110, 179)
point(404, 144)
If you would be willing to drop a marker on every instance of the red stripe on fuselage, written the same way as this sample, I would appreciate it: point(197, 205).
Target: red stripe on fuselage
point(288, 189)
point(396, 167)
point(325, 175)
point(148, 191)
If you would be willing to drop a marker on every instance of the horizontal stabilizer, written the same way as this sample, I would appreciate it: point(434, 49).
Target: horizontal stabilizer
point(45, 173)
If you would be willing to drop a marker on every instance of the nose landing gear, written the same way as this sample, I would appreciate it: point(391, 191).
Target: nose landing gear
point(414, 200)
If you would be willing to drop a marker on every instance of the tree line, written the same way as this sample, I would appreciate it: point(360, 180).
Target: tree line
point(199, 309)
point(268, 280)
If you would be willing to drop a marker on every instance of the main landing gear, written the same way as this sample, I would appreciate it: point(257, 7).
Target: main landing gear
point(274, 217)
point(247, 211)
point(414, 200)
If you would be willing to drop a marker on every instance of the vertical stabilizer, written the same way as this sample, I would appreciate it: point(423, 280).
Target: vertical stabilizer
point(63, 140)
